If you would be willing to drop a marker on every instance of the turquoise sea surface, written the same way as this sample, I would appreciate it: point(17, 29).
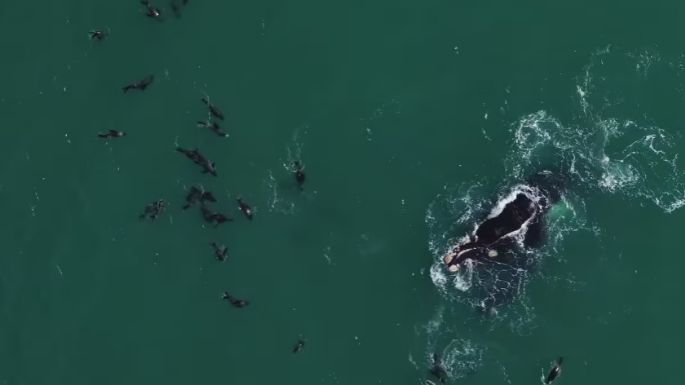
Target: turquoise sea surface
point(412, 119)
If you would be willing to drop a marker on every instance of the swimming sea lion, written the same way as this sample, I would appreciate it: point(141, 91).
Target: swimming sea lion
point(299, 174)
point(437, 370)
point(139, 85)
point(198, 194)
point(192, 197)
point(235, 301)
point(150, 11)
point(555, 371)
point(299, 345)
point(220, 252)
point(97, 34)
point(214, 218)
point(199, 159)
point(214, 110)
point(214, 127)
point(207, 197)
point(245, 208)
point(111, 134)
point(153, 210)
point(193, 154)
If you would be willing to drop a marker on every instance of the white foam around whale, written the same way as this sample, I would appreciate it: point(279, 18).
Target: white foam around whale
point(604, 147)
point(599, 150)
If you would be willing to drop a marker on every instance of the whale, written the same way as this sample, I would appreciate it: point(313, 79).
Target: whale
point(516, 222)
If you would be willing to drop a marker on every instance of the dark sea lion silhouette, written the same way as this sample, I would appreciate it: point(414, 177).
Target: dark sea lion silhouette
point(299, 345)
point(150, 11)
point(214, 218)
point(139, 85)
point(555, 371)
point(209, 167)
point(153, 210)
point(199, 159)
point(207, 197)
point(220, 252)
point(214, 127)
point(111, 134)
point(97, 34)
point(299, 174)
point(193, 154)
point(438, 370)
point(245, 208)
point(192, 197)
point(198, 194)
point(214, 110)
point(235, 301)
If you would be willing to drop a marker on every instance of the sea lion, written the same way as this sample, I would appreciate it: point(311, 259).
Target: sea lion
point(153, 210)
point(150, 11)
point(139, 85)
point(192, 197)
point(299, 345)
point(97, 34)
point(214, 110)
point(438, 370)
point(199, 159)
point(214, 218)
point(245, 208)
point(555, 371)
point(239, 303)
point(198, 194)
point(111, 134)
point(214, 127)
point(207, 197)
point(299, 174)
point(220, 252)
point(193, 154)
point(209, 167)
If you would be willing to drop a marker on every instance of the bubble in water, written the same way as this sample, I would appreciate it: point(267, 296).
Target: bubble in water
point(457, 355)
point(276, 200)
point(622, 157)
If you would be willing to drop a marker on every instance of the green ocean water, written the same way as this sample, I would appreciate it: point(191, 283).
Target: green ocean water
point(406, 114)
